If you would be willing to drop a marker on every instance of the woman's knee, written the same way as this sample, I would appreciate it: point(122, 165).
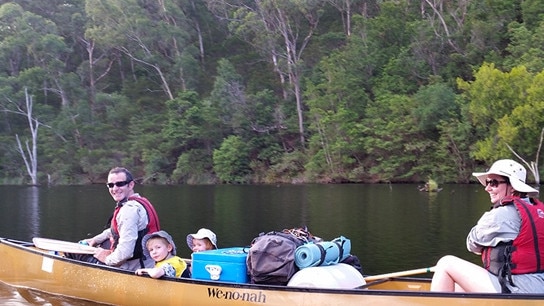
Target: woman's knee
point(447, 260)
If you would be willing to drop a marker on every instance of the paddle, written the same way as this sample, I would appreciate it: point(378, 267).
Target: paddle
point(401, 273)
point(63, 246)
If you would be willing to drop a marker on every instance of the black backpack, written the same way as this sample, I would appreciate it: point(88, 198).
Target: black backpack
point(271, 257)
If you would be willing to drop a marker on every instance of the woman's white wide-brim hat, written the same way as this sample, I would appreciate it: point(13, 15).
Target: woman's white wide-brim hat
point(511, 169)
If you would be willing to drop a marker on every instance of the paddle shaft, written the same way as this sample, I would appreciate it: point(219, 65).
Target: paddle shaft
point(399, 274)
point(63, 246)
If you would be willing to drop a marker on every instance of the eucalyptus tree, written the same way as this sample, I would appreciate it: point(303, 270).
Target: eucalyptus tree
point(424, 137)
point(395, 150)
point(337, 95)
point(349, 8)
point(31, 44)
point(447, 19)
point(29, 151)
point(192, 131)
point(153, 35)
point(32, 56)
point(230, 98)
point(281, 31)
point(435, 103)
point(453, 161)
point(526, 47)
point(231, 160)
point(257, 119)
point(532, 11)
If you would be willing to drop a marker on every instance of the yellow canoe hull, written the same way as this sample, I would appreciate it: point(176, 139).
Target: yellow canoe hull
point(23, 265)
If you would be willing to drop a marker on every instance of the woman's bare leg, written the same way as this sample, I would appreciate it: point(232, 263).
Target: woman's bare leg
point(454, 274)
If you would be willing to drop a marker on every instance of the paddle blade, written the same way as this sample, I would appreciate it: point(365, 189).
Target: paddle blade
point(63, 246)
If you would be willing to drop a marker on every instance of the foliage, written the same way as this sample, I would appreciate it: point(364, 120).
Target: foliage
point(231, 162)
point(389, 130)
point(514, 117)
point(193, 167)
point(435, 102)
point(289, 168)
point(230, 91)
point(337, 102)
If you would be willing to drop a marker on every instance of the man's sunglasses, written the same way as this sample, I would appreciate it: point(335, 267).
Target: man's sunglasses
point(118, 184)
point(494, 183)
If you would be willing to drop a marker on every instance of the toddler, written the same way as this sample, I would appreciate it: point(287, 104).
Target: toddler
point(160, 246)
point(203, 240)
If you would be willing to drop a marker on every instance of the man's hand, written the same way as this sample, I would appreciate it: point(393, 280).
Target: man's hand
point(101, 254)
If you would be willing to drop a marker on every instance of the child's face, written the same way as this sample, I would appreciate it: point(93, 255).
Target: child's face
point(158, 248)
point(201, 245)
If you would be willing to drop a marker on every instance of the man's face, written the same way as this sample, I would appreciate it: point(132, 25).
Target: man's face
point(118, 193)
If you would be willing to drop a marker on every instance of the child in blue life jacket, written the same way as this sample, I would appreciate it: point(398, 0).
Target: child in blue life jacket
point(160, 246)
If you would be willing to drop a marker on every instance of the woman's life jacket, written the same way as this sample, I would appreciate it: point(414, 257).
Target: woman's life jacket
point(525, 254)
point(152, 225)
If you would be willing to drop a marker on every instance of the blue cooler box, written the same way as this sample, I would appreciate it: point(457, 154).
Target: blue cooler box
point(224, 265)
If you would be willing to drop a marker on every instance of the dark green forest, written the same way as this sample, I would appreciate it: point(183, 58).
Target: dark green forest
point(268, 91)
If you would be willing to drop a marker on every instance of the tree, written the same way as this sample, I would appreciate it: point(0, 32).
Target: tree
point(281, 30)
point(32, 48)
point(452, 160)
point(349, 8)
point(28, 152)
point(147, 34)
point(532, 11)
point(435, 102)
point(337, 96)
point(506, 108)
point(395, 150)
point(525, 47)
point(229, 98)
point(231, 161)
point(533, 165)
point(192, 132)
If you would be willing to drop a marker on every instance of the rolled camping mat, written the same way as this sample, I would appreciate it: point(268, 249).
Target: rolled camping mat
point(323, 253)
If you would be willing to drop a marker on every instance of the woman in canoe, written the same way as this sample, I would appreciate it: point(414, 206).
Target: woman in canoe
point(509, 237)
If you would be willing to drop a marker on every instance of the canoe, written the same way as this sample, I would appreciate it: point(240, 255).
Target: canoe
point(24, 265)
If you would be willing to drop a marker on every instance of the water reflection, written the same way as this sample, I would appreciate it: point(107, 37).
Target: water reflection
point(31, 210)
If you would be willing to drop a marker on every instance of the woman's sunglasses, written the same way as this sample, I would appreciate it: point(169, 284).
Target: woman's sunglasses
point(118, 184)
point(494, 183)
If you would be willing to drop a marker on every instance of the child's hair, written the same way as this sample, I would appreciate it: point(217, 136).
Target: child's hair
point(209, 244)
point(164, 240)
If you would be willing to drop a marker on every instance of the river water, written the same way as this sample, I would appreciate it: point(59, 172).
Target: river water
point(391, 227)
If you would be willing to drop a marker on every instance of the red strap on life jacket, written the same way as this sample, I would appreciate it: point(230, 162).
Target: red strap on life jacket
point(152, 216)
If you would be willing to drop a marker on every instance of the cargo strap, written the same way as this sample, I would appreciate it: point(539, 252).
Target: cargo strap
point(323, 251)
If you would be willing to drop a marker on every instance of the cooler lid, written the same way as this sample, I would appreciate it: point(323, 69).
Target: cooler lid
point(234, 254)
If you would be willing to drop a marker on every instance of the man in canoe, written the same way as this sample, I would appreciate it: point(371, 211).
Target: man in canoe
point(509, 237)
point(120, 244)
